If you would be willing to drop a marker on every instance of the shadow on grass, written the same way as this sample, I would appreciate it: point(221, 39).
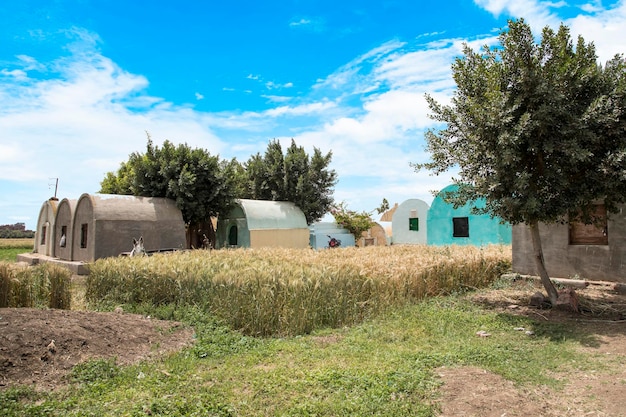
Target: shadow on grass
point(602, 314)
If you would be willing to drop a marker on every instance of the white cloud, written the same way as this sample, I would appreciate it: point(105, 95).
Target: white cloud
point(313, 24)
point(199, 96)
point(277, 99)
point(271, 85)
point(79, 125)
point(370, 112)
point(605, 28)
point(301, 110)
point(300, 22)
point(536, 12)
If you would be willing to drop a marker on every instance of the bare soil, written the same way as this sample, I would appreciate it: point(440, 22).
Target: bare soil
point(470, 391)
point(27, 356)
point(40, 347)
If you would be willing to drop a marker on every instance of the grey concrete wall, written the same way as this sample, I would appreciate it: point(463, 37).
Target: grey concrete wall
point(83, 215)
point(44, 235)
point(64, 217)
point(593, 262)
point(116, 236)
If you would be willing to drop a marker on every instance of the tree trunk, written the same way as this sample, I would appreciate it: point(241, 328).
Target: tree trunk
point(541, 266)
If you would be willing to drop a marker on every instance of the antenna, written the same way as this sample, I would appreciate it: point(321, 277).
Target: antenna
point(56, 187)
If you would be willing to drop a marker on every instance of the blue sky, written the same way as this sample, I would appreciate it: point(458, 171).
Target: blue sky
point(82, 81)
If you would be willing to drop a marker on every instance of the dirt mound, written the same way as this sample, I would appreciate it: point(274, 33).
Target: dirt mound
point(40, 347)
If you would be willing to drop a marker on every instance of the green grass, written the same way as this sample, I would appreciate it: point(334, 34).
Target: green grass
point(10, 248)
point(382, 367)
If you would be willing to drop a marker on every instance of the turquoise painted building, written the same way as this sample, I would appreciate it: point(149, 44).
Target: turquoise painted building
point(450, 226)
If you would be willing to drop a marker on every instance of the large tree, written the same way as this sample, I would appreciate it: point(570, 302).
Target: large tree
point(537, 129)
point(293, 176)
point(200, 183)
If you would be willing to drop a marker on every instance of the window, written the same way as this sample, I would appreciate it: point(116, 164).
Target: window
point(460, 227)
point(83, 235)
point(590, 234)
point(232, 236)
point(63, 241)
point(414, 224)
point(43, 235)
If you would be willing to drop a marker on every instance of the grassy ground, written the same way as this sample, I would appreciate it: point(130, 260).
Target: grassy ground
point(383, 367)
point(10, 248)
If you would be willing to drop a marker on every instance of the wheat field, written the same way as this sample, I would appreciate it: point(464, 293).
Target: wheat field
point(293, 291)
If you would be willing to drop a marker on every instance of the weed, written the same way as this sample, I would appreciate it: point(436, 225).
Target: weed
point(94, 371)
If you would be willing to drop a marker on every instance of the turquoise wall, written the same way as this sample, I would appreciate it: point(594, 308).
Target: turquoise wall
point(483, 230)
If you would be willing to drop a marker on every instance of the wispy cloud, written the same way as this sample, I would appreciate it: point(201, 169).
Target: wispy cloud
point(276, 99)
point(80, 115)
point(271, 85)
point(313, 24)
point(602, 25)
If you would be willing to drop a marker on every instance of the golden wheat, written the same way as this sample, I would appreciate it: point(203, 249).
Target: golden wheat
point(293, 291)
point(44, 285)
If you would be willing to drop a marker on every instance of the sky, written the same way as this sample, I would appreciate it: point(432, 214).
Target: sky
point(84, 82)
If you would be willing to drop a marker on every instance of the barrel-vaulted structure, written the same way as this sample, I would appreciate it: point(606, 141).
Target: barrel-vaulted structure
point(262, 223)
point(63, 229)
point(448, 225)
point(105, 225)
point(44, 234)
point(409, 222)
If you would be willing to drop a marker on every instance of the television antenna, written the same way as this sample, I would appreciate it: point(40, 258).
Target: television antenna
point(56, 186)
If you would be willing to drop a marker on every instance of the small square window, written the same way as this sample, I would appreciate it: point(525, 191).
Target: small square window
point(590, 234)
point(414, 224)
point(460, 227)
point(63, 240)
point(83, 235)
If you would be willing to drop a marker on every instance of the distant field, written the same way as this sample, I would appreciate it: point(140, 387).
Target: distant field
point(17, 243)
point(10, 248)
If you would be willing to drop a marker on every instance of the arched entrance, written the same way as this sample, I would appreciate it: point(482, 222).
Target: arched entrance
point(232, 235)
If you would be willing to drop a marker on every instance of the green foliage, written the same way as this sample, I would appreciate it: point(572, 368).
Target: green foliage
point(192, 177)
point(384, 206)
point(16, 234)
point(537, 130)
point(295, 176)
point(356, 223)
point(94, 371)
point(203, 186)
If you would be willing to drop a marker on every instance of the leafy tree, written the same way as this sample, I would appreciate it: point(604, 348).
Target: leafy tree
point(191, 177)
point(384, 206)
point(294, 176)
point(355, 222)
point(536, 129)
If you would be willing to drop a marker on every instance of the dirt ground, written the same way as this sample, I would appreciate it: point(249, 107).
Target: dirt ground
point(469, 391)
point(27, 356)
point(40, 347)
